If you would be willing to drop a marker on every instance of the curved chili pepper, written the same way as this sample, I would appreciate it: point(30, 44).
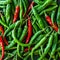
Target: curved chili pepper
point(3, 24)
point(29, 30)
point(30, 6)
point(2, 30)
point(2, 45)
point(16, 13)
point(53, 25)
point(47, 47)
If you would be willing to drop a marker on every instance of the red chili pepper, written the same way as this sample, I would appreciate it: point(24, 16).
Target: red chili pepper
point(16, 13)
point(2, 30)
point(26, 49)
point(29, 30)
point(2, 45)
point(5, 41)
point(30, 6)
point(55, 27)
point(48, 19)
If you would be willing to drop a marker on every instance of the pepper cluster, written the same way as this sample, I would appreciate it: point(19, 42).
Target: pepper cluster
point(28, 30)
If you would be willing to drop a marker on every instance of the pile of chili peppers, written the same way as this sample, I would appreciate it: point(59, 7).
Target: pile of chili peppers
point(29, 30)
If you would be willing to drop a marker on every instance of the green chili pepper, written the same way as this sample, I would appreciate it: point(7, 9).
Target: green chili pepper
point(8, 13)
point(17, 24)
point(2, 17)
point(39, 52)
point(24, 32)
point(28, 53)
point(35, 35)
point(34, 24)
point(19, 32)
point(22, 49)
point(41, 49)
point(36, 6)
point(58, 19)
point(34, 19)
point(47, 47)
point(18, 49)
point(3, 23)
point(8, 57)
point(14, 58)
point(10, 45)
point(13, 48)
point(9, 29)
point(35, 27)
point(38, 39)
point(47, 3)
point(25, 6)
point(9, 34)
point(21, 11)
point(22, 44)
point(5, 2)
point(15, 2)
point(26, 2)
point(53, 16)
point(45, 25)
point(14, 52)
point(54, 3)
point(15, 39)
point(25, 54)
point(54, 45)
point(16, 32)
point(38, 2)
point(56, 57)
point(34, 31)
point(39, 43)
point(38, 25)
point(49, 9)
point(4, 11)
point(2, 6)
point(40, 22)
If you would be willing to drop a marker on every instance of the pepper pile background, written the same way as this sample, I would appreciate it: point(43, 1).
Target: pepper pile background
point(29, 30)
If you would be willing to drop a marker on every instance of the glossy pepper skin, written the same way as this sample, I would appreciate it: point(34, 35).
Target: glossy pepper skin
point(2, 30)
point(8, 13)
point(48, 19)
point(39, 20)
point(29, 30)
point(16, 14)
point(2, 45)
point(53, 25)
